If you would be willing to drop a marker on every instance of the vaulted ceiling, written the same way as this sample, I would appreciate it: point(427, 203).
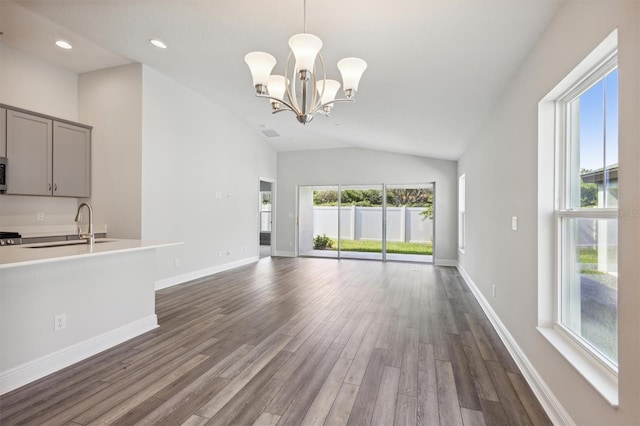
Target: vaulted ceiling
point(435, 67)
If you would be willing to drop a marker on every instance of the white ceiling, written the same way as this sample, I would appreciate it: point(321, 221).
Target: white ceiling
point(436, 67)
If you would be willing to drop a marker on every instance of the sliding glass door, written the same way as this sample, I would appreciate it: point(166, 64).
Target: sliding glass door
point(361, 228)
point(409, 222)
point(318, 224)
point(377, 222)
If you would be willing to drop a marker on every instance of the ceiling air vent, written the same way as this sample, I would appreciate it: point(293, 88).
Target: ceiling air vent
point(270, 133)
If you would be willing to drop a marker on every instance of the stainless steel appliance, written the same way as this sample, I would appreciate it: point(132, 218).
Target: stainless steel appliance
point(10, 238)
point(3, 174)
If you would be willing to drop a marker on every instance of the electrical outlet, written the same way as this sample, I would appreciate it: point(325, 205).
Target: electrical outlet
point(40, 216)
point(514, 223)
point(220, 253)
point(493, 291)
point(245, 249)
point(176, 263)
point(59, 322)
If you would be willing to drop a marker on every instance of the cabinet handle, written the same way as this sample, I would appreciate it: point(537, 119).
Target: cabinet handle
point(49, 186)
point(55, 186)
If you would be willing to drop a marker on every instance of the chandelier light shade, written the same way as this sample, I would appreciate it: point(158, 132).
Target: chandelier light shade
point(261, 65)
point(305, 48)
point(351, 70)
point(304, 89)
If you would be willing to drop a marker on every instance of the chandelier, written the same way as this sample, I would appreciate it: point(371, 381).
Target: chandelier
point(306, 93)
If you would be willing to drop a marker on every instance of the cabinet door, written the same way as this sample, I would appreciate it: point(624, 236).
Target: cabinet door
point(71, 160)
point(29, 144)
point(3, 132)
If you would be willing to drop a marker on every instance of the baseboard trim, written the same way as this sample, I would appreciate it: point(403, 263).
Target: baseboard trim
point(445, 262)
point(194, 275)
point(285, 253)
point(548, 400)
point(43, 366)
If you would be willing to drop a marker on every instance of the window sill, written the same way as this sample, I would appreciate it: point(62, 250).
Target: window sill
point(602, 380)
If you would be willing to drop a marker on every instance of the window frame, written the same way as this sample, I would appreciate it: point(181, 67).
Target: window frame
point(462, 213)
point(565, 209)
point(602, 379)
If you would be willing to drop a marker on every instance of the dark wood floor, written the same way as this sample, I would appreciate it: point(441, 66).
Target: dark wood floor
point(298, 341)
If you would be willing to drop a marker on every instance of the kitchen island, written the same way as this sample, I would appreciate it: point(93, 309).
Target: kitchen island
point(61, 303)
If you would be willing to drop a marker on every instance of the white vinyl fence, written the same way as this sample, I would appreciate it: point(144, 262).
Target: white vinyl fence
point(365, 223)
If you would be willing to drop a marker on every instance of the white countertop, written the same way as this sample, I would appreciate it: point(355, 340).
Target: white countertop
point(24, 255)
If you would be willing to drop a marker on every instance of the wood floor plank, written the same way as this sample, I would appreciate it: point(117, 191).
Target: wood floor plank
point(206, 385)
point(321, 405)
point(472, 417)
point(140, 397)
point(428, 413)
point(361, 359)
point(267, 419)
point(342, 406)
point(478, 369)
point(465, 383)
point(409, 371)
point(384, 411)
point(298, 378)
point(195, 421)
point(494, 414)
point(484, 344)
point(305, 397)
point(448, 405)
point(247, 393)
point(525, 394)
point(217, 402)
point(396, 341)
point(297, 341)
point(368, 392)
point(138, 412)
point(406, 411)
point(516, 413)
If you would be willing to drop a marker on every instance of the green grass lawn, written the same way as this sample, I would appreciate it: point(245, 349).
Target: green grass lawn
point(376, 247)
point(590, 254)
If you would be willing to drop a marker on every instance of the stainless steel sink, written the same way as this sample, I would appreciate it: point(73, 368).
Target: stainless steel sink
point(64, 244)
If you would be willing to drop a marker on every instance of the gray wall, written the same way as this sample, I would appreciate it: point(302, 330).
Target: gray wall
point(361, 166)
point(501, 168)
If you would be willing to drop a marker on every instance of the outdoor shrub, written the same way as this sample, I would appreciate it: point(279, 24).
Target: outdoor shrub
point(322, 242)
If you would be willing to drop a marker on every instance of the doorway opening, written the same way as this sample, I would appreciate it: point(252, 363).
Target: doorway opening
point(265, 208)
point(377, 222)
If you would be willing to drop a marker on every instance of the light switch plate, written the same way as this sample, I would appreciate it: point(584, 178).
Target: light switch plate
point(514, 223)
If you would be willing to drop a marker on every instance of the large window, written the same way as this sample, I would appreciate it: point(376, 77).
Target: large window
point(586, 212)
point(461, 213)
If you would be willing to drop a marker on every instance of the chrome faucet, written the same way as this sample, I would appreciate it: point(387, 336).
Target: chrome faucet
point(89, 237)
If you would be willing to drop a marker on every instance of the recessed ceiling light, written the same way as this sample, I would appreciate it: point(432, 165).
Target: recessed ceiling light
point(158, 43)
point(63, 44)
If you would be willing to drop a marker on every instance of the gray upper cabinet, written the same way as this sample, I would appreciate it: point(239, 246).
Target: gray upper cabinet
point(29, 150)
point(47, 157)
point(71, 160)
point(3, 132)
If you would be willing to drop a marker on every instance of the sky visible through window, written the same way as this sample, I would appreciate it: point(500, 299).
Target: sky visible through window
point(592, 124)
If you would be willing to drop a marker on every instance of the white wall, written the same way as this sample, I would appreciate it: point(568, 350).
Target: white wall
point(111, 102)
point(502, 181)
point(29, 83)
point(361, 166)
point(200, 181)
